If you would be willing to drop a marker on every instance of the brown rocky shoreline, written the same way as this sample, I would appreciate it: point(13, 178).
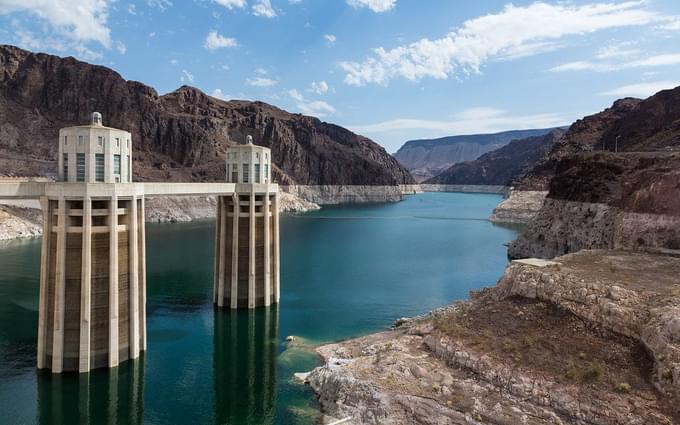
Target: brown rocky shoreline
point(588, 338)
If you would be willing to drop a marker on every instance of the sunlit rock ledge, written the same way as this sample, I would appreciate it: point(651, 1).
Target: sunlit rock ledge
point(587, 338)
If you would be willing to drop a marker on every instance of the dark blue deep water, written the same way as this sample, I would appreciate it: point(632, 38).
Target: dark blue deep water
point(345, 271)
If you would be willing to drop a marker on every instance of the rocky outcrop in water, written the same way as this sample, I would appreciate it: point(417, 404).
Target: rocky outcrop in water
point(179, 136)
point(429, 157)
point(590, 338)
point(19, 222)
point(520, 207)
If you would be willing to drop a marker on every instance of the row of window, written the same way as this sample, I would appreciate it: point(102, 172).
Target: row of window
point(246, 155)
point(98, 167)
point(100, 141)
point(246, 172)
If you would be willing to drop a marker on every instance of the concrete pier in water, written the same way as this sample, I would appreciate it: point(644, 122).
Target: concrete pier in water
point(246, 236)
point(92, 311)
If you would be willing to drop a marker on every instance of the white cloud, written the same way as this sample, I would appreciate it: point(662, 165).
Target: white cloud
point(73, 23)
point(215, 41)
point(231, 4)
point(132, 9)
point(261, 82)
point(495, 36)
point(316, 108)
point(296, 95)
point(173, 61)
point(375, 5)
point(261, 71)
point(641, 90)
point(159, 4)
point(649, 62)
point(672, 24)
point(330, 38)
point(264, 8)
point(187, 77)
point(217, 93)
point(615, 51)
point(120, 46)
point(319, 88)
point(469, 121)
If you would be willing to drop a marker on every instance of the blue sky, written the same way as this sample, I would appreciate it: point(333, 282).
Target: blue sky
point(392, 70)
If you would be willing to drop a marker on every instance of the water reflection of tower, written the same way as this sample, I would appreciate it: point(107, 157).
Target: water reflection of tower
point(108, 397)
point(246, 345)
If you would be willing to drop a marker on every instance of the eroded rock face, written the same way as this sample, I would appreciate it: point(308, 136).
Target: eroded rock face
point(607, 201)
point(179, 136)
point(585, 135)
point(589, 338)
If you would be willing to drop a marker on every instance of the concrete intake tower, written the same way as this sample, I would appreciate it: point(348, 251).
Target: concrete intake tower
point(92, 308)
point(247, 232)
point(93, 280)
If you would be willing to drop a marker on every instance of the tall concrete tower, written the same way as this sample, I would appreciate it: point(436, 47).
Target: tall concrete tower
point(247, 232)
point(93, 279)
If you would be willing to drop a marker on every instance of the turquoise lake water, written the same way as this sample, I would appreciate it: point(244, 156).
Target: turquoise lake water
point(345, 271)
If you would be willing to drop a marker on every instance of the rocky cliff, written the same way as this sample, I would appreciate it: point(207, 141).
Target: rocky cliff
point(181, 135)
point(605, 200)
point(428, 157)
point(503, 165)
point(590, 338)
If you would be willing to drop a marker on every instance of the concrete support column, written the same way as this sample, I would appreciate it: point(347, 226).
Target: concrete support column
point(59, 291)
point(267, 252)
point(113, 282)
point(85, 288)
point(142, 273)
point(222, 236)
point(133, 233)
point(234, 253)
point(44, 274)
point(277, 251)
point(251, 246)
point(217, 250)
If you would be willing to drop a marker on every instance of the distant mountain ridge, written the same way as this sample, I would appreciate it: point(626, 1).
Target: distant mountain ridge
point(179, 136)
point(502, 166)
point(425, 158)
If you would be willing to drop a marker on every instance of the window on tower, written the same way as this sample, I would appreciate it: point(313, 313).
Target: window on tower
point(65, 167)
point(80, 167)
point(99, 167)
point(245, 172)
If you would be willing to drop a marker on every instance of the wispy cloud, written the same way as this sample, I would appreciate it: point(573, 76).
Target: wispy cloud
point(642, 90)
point(264, 9)
point(469, 121)
point(159, 4)
point(377, 6)
point(514, 30)
point(215, 41)
point(315, 108)
point(218, 94)
point(319, 88)
point(231, 4)
point(330, 38)
point(261, 82)
point(649, 62)
point(187, 77)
